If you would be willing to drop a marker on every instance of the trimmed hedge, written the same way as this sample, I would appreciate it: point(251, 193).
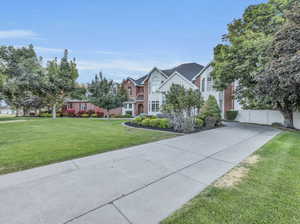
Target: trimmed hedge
point(45, 115)
point(152, 121)
point(231, 115)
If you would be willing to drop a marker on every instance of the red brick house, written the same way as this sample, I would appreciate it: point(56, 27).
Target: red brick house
point(84, 105)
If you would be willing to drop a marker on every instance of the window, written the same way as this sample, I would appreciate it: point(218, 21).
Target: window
point(163, 100)
point(83, 106)
point(203, 85)
point(130, 91)
point(115, 90)
point(130, 106)
point(155, 83)
point(155, 106)
point(69, 106)
point(209, 83)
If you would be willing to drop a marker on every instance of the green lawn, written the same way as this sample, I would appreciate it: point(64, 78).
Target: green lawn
point(43, 141)
point(269, 194)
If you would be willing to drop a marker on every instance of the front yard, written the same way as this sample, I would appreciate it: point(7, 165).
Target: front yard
point(269, 193)
point(37, 142)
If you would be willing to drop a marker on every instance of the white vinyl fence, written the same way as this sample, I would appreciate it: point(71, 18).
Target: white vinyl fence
point(265, 117)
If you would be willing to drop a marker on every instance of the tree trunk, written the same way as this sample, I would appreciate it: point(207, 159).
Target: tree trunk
point(54, 111)
point(288, 119)
point(17, 112)
point(108, 113)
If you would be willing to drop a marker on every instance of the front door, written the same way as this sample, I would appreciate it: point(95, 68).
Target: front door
point(140, 109)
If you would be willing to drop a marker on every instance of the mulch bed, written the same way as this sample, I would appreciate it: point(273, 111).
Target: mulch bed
point(130, 124)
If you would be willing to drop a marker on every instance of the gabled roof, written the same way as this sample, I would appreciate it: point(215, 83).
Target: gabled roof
point(188, 70)
point(75, 101)
point(182, 77)
point(202, 71)
point(140, 81)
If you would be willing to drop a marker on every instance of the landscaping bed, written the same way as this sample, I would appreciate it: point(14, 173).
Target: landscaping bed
point(134, 125)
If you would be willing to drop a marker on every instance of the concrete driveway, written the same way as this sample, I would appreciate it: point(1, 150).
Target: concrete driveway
point(138, 185)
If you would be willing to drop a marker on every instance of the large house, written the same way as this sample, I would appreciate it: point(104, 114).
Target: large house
point(146, 94)
point(224, 98)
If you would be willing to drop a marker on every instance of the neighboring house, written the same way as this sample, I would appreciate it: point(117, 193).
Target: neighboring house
point(5, 109)
point(137, 97)
point(146, 94)
point(84, 105)
point(224, 98)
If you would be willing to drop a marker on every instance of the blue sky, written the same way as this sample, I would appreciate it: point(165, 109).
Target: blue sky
point(120, 38)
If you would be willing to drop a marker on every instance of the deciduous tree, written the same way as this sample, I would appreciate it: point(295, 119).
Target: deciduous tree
point(278, 83)
point(182, 105)
point(244, 50)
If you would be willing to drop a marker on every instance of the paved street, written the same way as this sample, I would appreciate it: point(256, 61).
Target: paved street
point(137, 185)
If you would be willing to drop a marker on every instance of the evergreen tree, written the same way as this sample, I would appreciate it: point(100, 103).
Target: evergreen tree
point(106, 94)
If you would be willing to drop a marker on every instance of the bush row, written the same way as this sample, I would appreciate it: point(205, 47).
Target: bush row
point(152, 121)
point(99, 115)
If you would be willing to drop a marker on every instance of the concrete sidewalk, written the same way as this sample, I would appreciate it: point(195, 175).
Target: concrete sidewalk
point(138, 185)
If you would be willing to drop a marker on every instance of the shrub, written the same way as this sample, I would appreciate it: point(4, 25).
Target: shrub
point(84, 115)
point(146, 122)
point(91, 112)
point(100, 114)
point(155, 123)
point(121, 116)
point(71, 112)
point(45, 115)
point(129, 113)
point(210, 122)
point(138, 120)
point(231, 115)
point(164, 123)
point(199, 122)
point(94, 115)
point(81, 112)
point(211, 109)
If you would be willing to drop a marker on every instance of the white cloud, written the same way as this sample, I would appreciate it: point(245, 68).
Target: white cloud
point(117, 64)
point(49, 50)
point(17, 34)
point(108, 52)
